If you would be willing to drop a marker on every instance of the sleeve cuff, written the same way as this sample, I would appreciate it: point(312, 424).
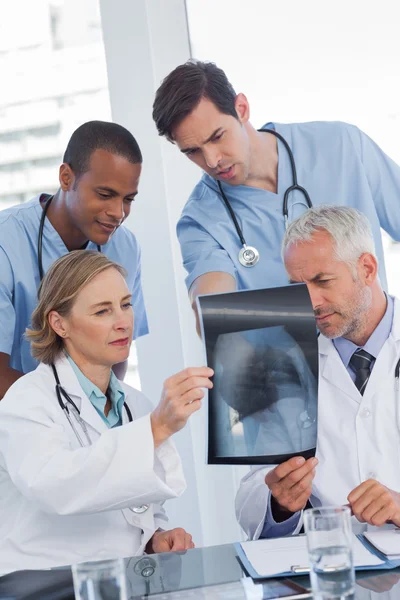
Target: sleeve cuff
point(273, 529)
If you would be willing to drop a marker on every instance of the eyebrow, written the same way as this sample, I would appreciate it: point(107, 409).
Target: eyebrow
point(113, 192)
point(109, 303)
point(214, 133)
point(315, 279)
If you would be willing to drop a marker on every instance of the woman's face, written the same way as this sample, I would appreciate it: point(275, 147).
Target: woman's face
point(99, 328)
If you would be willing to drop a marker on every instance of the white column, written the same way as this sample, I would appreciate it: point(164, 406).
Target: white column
point(144, 40)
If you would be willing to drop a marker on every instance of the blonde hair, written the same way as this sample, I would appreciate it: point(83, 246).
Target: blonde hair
point(58, 290)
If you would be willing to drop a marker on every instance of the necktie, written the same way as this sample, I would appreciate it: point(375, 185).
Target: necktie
point(361, 362)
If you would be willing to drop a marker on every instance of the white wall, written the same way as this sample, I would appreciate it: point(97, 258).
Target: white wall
point(144, 41)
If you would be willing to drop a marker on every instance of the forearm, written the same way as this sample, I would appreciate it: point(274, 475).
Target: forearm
point(7, 377)
point(210, 283)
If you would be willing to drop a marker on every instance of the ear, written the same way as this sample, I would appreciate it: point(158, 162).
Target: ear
point(242, 108)
point(66, 177)
point(58, 324)
point(368, 268)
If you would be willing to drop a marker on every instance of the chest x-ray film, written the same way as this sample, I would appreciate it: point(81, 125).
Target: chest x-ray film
point(263, 347)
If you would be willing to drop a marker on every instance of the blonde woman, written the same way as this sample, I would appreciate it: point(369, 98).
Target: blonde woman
point(84, 463)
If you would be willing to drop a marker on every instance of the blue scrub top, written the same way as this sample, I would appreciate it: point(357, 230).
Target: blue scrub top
point(337, 164)
point(19, 275)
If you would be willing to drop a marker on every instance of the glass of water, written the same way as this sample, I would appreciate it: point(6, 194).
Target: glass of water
point(329, 538)
point(100, 580)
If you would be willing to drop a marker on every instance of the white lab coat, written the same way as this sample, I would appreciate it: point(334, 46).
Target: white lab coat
point(358, 436)
point(61, 503)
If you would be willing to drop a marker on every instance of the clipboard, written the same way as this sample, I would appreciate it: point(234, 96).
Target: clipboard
point(377, 561)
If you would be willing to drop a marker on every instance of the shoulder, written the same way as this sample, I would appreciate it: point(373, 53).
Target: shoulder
point(205, 191)
point(35, 389)
point(19, 212)
point(324, 130)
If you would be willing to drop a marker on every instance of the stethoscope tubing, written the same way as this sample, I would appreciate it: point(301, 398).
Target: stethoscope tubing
point(295, 186)
point(60, 393)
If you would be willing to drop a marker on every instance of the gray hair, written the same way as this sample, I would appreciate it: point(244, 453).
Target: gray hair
point(348, 227)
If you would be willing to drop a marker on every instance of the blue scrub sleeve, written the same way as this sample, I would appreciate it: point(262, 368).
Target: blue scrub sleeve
point(201, 253)
point(272, 529)
point(383, 176)
point(139, 310)
point(7, 312)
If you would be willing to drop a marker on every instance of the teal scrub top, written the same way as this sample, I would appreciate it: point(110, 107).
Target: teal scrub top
point(337, 164)
point(19, 275)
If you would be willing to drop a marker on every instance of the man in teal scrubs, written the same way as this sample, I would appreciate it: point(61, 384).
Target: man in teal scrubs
point(197, 108)
point(99, 180)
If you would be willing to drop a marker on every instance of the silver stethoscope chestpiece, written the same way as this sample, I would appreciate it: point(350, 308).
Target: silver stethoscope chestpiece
point(140, 509)
point(248, 256)
point(145, 567)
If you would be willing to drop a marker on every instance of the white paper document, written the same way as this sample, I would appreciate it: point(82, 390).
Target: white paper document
point(386, 541)
point(280, 555)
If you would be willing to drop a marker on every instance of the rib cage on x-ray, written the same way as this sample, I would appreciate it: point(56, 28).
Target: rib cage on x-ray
point(262, 345)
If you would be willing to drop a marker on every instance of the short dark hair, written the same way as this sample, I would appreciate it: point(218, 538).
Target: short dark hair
point(182, 90)
point(99, 135)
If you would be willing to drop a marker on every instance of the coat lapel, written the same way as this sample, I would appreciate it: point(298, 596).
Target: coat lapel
point(333, 370)
point(386, 361)
point(71, 385)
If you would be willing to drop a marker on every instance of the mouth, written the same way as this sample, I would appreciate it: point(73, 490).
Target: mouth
point(120, 342)
point(226, 173)
point(107, 227)
point(321, 319)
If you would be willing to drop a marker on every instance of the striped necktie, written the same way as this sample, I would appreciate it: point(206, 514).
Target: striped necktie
point(361, 362)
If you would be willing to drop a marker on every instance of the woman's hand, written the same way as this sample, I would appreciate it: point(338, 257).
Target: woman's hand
point(169, 541)
point(181, 397)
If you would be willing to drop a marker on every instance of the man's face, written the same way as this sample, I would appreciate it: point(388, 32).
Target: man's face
point(216, 142)
point(100, 200)
point(340, 300)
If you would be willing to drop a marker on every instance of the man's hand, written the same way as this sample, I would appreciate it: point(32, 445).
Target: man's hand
point(380, 583)
point(373, 503)
point(291, 482)
point(169, 541)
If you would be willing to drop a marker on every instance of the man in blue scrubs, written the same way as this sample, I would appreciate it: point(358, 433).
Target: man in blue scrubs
point(197, 109)
point(99, 180)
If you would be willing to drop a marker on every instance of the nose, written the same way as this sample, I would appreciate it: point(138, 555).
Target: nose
point(315, 296)
point(212, 156)
point(123, 320)
point(116, 211)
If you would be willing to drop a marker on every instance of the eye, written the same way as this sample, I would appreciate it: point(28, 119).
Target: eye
point(127, 305)
point(192, 152)
point(104, 196)
point(101, 312)
point(218, 137)
point(129, 200)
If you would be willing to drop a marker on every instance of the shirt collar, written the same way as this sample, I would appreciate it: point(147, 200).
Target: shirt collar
point(96, 396)
point(346, 348)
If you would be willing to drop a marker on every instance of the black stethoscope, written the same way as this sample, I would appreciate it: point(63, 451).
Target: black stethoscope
point(68, 400)
point(249, 255)
point(40, 237)
point(60, 391)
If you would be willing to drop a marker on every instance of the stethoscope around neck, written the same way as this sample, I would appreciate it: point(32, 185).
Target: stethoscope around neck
point(64, 399)
point(249, 255)
point(40, 237)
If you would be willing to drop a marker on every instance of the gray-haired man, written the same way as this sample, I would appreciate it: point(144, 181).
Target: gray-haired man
point(331, 250)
